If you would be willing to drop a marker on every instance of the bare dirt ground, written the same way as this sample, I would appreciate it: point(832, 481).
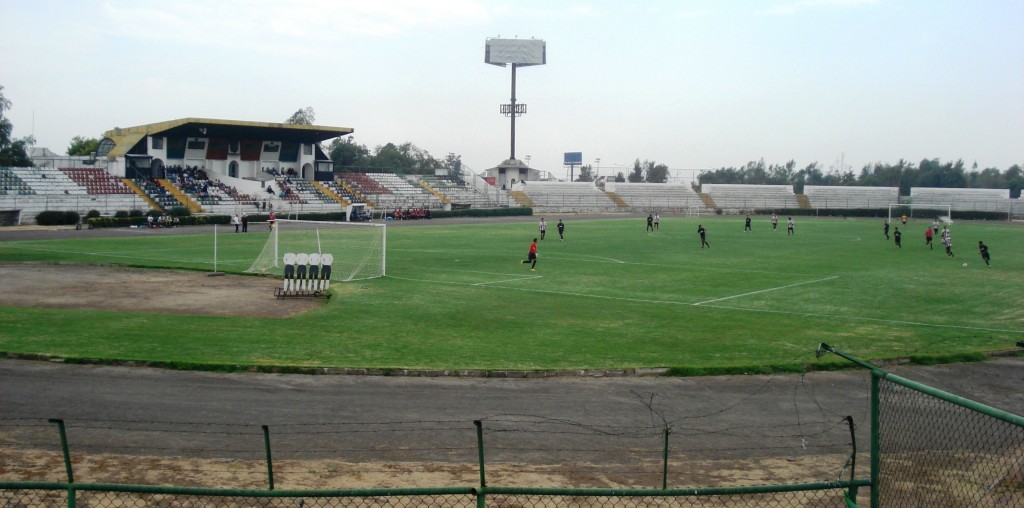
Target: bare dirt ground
point(133, 289)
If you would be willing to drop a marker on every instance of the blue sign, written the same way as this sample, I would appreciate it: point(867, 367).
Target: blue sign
point(573, 159)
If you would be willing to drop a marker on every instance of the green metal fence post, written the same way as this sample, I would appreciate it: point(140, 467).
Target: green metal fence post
point(664, 465)
point(852, 493)
point(481, 493)
point(67, 460)
point(270, 460)
point(875, 459)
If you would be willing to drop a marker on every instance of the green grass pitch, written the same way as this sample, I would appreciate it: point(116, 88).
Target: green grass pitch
point(611, 296)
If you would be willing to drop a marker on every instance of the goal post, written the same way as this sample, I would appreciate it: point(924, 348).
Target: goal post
point(358, 249)
point(920, 211)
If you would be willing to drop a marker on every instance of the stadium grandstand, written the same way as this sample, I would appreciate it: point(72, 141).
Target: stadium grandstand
point(656, 196)
point(750, 197)
point(964, 200)
point(848, 196)
point(565, 197)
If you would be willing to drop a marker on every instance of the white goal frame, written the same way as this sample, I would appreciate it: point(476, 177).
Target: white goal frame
point(947, 218)
point(274, 242)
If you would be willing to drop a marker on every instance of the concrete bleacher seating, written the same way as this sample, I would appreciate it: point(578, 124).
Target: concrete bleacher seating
point(341, 191)
point(36, 189)
point(567, 197)
point(388, 190)
point(656, 196)
point(749, 197)
point(457, 191)
point(97, 181)
point(842, 196)
point(964, 200)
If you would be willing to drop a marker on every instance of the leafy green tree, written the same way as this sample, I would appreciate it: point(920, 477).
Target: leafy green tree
point(346, 153)
point(304, 116)
point(637, 175)
point(655, 173)
point(406, 157)
point(453, 163)
point(586, 174)
point(619, 177)
point(82, 146)
point(13, 152)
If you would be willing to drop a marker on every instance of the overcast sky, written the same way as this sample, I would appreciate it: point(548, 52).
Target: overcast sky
point(691, 84)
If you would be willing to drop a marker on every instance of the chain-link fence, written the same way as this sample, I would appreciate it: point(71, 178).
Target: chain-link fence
point(928, 448)
point(939, 451)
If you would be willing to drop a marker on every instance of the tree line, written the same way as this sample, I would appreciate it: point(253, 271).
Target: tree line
point(902, 174)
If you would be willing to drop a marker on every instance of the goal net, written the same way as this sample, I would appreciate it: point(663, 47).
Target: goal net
point(920, 211)
point(357, 249)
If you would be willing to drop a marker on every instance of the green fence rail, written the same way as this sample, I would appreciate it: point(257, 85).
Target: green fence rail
point(933, 448)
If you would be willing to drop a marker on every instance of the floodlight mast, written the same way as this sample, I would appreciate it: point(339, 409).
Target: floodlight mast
point(518, 53)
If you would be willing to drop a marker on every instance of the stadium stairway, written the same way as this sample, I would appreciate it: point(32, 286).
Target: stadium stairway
point(708, 202)
point(444, 199)
point(329, 193)
point(522, 198)
point(357, 194)
point(803, 201)
point(618, 201)
point(141, 193)
point(180, 195)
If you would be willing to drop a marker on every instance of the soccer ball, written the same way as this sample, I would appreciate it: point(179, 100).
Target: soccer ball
point(965, 265)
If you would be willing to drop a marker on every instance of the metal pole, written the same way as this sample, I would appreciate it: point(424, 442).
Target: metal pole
point(67, 460)
point(480, 451)
point(664, 468)
point(875, 459)
point(512, 155)
point(270, 460)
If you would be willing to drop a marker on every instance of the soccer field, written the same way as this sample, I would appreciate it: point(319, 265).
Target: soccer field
point(611, 296)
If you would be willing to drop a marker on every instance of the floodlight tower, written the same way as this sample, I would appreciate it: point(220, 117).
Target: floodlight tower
point(518, 53)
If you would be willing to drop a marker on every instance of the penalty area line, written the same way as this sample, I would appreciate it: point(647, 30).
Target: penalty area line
point(767, 290)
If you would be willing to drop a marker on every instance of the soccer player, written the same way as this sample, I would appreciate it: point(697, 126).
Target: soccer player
point(650, 223)
point(947, 241)
point(701, 231)
point(928, 237)
point(532, 256)
point(789, 227)
point(896, 236)
point(886, 229)
point(746, 225)
point(983, 249)
point(561, 230)
point(657, 221)
point(935, 226)
point(775, 221)
point(904, 218)
point(543, 228)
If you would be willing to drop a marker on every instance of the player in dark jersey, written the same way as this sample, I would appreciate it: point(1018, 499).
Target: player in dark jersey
point(896, 236)
point(886, 229)
point(650, 223)
point(746, 225)
point(983, 249)
point(561, 230)
point(702, 232)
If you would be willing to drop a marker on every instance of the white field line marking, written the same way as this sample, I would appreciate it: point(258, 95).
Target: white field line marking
point(517, 279)
point(722, 307)
point(767, 290)
point(858, 318)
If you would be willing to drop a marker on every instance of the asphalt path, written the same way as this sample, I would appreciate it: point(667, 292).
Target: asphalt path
point(149, 411)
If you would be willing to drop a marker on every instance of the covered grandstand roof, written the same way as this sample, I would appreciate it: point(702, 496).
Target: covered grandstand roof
point(126, 138)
